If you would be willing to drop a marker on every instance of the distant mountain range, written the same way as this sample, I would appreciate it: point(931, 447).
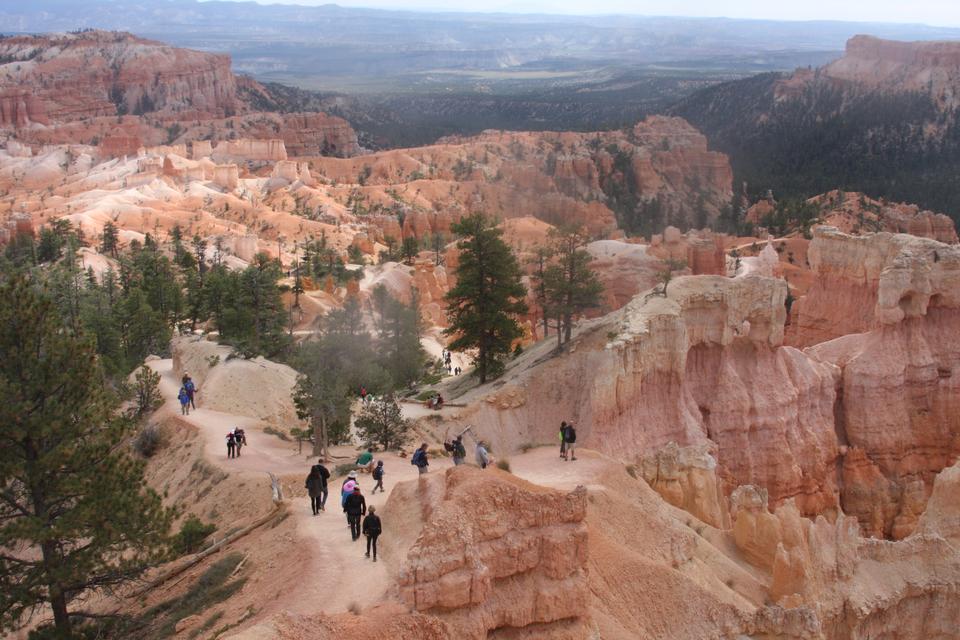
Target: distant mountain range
point(883, 119)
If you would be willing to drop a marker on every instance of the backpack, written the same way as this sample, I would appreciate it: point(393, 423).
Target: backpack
point(459, 451)
point(415, 458)
point(571, 434)
point(377, 473)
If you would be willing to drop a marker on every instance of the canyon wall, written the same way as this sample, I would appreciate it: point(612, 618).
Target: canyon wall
point(494, 555)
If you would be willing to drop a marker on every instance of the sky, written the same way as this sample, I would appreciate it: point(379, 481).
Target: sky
point(934, 12)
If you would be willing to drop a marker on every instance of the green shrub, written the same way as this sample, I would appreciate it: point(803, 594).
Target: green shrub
point(191, 535)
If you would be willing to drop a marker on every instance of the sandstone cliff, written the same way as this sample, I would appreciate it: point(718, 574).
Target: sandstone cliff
point(77, 84)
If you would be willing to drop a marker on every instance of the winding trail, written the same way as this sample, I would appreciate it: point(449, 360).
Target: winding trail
point(341, 575)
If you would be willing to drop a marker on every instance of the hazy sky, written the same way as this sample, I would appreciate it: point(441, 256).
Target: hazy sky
point(935, 12)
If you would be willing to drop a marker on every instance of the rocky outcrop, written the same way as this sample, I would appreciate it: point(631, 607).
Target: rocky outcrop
point(91, 74)
point(927, 67)
point(703, 364)
point(686, 477)
point(862, 283)
point(496, 555)
point(247, 149)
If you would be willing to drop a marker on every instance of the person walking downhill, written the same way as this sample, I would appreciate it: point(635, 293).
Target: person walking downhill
point(355, 507)
point(378, 476)
point(372, 528)
point(347, 489)
point(315, 485)
point(563, 440)
point(231, 445)
point(570, 437)
point(184, 399)
point(324, 475)
point(419, 459)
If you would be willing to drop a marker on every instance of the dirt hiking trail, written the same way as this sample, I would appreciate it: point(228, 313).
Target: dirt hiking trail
point(341, 576)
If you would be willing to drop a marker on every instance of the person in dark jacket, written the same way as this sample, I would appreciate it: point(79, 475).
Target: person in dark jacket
point(372, 529)
point(355, 507)
point(570, 438)
point(315, 489)
point(378, 476)
point(324, 474)
point(419, 459)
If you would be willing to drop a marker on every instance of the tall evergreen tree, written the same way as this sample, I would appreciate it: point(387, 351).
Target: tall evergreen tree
point(483, 305)
point(109, 241)
point(75, 514)
point(570, 286)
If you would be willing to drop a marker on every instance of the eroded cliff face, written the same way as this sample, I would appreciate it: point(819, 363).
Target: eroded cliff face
point(496, 556)
point(702, 365)
point(96, 85)
point(560, 178)
point(862, 423)
point(865, 282)
point(74, 76)
point(925, 67)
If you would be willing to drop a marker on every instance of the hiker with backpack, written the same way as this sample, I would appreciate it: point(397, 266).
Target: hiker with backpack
point(231, 445)
point(239, 438)
point(320, 472)
point(378, 476)
point(563, 440)
point(355, 506)
point(570, 439)
point(372, 527)
point(184, 399)
point(190, 387)
point(457, 450)
point(419, 459)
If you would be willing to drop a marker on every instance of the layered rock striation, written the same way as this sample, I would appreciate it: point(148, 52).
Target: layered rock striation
point(497, 555)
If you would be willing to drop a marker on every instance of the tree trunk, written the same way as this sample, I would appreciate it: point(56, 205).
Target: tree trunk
point(567, 326)
point(58, 599)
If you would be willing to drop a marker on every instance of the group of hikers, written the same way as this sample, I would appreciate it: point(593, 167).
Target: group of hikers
point(448, 364)
point(187, 391)
point(459, 453)
point(236, 440)
point(352, 501)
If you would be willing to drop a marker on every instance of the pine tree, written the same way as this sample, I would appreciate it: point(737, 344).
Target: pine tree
point(382, 423)
point(570, 286)
point(410, 249)
point(109, 240)
point(75, 514)
point(483, 305)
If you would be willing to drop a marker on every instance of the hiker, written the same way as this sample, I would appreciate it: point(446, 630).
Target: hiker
point(321, 471)
point(239, 438)
point(378, 476)
point(184, 399)
point(355, 506)
point(190, 387)
point(365, 461)
point(570, 438)
point(438, 402)
point(347, 488)
point(372, 529)
point(231, 445)
point(563, 440)
point(458, 450)
point(316, 487)
point(483, 456)
point(419, 459)
point(363, 394)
